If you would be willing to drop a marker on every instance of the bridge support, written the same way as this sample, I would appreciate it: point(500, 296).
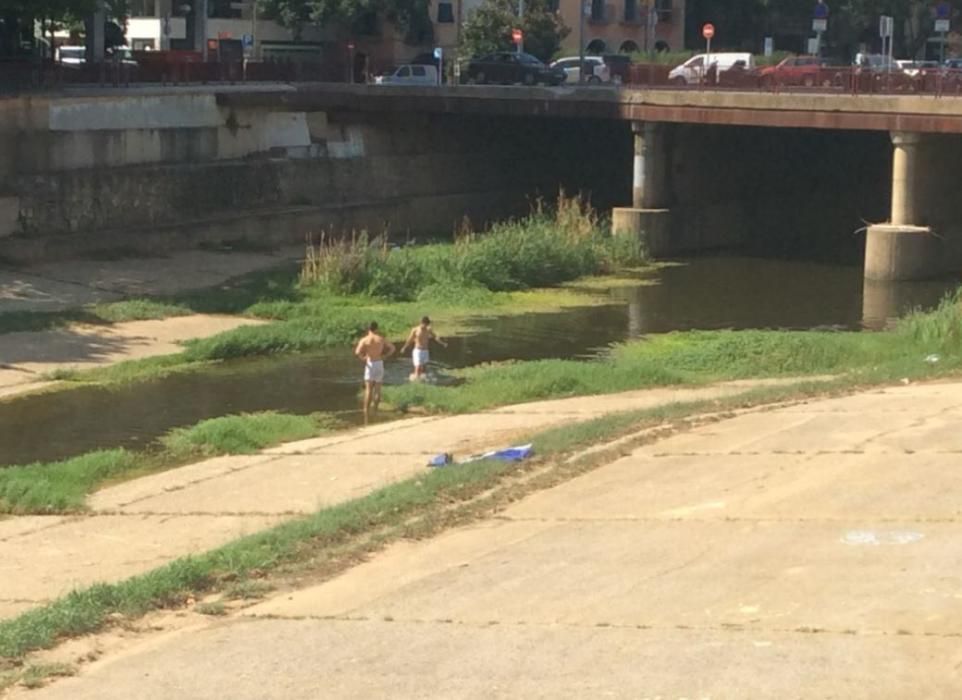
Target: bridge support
point(902, 249)
point(648, 218)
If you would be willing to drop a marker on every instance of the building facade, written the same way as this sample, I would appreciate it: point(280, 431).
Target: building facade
point(625, 26)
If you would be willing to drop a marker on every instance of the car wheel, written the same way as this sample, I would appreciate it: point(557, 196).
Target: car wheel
point(529, 79)
point(809, 81)
point(594, 79)
point(679, 81)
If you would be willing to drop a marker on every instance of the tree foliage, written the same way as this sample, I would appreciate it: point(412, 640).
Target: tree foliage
point(411, 17)
point(489, 28)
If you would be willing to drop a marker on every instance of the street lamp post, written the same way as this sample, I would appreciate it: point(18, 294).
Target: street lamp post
point(520, 44)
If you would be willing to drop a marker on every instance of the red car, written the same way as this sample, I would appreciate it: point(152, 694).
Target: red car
point(797, 70)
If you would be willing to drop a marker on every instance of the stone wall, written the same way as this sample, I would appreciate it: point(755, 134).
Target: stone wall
point(102, 175)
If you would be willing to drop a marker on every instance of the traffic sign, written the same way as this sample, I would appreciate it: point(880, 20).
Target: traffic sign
point(821, 10)
point(886, 25)
point(437, 53)
point(248, 41)
point(942, 26)
point(943, 11)
point(516, 36)
point(708, 31)
point(819, 25)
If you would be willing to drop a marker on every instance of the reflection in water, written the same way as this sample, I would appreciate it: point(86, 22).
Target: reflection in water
point(704, 293)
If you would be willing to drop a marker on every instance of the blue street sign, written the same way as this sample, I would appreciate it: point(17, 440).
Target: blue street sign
point(943, 10)
point(248, 41)
point(437, 53)
point(821, 10)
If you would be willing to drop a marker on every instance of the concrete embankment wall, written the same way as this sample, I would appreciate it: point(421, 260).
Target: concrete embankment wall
point(152, 172)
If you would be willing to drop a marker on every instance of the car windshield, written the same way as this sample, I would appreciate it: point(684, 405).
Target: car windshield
point(72, 52)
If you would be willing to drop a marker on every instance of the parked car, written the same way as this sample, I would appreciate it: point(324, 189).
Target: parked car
point(72, 56)
point(693, 70)
point(797, 70)
point(914, 68)
point(953, 63)
point(409, 74)
point(509, 67)
point(875, 62)
point(596, 71)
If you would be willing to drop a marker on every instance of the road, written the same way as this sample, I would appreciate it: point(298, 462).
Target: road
point(811, 551)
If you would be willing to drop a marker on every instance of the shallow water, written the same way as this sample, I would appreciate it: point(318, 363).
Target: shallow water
point(706, 293)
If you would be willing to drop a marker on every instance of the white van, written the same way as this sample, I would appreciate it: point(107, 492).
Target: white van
point(410, 75)
point(693, 70)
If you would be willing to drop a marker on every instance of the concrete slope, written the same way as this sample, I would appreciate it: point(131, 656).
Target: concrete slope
point(806, 552)
point(141, 524)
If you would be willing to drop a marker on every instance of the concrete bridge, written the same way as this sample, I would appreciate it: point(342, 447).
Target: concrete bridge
point(699, 168)
point(902, 248)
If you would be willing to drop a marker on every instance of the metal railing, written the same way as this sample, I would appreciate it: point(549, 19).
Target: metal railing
point(845, 80)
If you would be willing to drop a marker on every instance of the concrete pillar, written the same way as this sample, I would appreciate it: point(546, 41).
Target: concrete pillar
point(99, 20)
point(904, 177)
point(647, 218)
point(901, 249)
point(648, 171)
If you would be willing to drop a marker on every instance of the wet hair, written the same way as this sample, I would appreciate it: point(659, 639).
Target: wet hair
point(373, 326)
point(425, 321)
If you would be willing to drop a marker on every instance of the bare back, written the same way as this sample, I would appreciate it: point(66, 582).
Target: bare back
point(373, 348)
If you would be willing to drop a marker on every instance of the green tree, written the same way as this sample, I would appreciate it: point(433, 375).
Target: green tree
point(489, 28)
point(411, 17)
point(913, 22)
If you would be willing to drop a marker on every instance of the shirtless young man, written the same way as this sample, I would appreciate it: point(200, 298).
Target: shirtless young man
point(421, 337)
point(373, 349)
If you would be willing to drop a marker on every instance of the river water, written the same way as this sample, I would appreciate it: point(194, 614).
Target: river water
point(704, 293)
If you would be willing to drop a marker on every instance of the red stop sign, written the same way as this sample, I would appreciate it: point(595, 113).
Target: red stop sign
point(708, 31)
point(516, 36)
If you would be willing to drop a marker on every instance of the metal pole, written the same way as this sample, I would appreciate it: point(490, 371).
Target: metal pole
point(581, 41)
point(942, 51)
point(254, 29)
point(520, 22)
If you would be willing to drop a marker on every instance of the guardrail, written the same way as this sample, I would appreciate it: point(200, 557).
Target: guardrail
point(21, 76)
point(938, 82)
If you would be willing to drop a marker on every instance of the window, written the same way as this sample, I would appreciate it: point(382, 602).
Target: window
point(629, 46)
point(663, 8)
point(596, 46)
point(418, 71)
point(445, 13)
point(403, 72)
point(597, 10)
point(142, 45)
point(631, 10)
point(554, 5)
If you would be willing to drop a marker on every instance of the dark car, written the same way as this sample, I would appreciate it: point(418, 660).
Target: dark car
point(510, 67)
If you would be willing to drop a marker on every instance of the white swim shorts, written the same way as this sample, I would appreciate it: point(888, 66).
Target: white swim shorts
point(374, 371)
point(420, 357)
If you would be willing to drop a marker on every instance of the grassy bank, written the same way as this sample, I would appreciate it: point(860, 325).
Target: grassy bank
point(923, 345)
point(344, 284)
point(63, 487)
point(334, 538)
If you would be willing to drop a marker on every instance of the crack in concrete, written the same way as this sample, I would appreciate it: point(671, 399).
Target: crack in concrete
point(268, 458)
point(731, 627)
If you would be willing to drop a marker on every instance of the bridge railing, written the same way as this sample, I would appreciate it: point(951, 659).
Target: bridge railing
point(845, 80)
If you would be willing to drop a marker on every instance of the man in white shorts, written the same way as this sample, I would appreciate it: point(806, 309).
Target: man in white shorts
point(420, 337)
point(373, 349)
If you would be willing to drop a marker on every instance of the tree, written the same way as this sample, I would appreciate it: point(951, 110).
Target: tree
point(412, 18)
point(489, 28)
point(913, 22)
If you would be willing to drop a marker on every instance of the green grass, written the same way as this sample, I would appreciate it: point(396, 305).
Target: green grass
point(347, 530)
point(63, 486)
point(700, 357)
point(241, 434)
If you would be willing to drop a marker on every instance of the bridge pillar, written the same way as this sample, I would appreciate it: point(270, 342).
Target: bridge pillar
point(902, 249)
point(647, 217)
